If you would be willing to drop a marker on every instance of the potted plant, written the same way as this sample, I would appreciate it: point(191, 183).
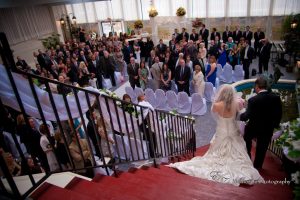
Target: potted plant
point(138, 24)
point(51, 41)
point(153, 12)
point(180, 12)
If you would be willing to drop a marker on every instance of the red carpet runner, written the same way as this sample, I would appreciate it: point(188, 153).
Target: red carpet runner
point(166, 183)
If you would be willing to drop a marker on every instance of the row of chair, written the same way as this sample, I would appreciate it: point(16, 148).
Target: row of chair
point(181, 102)
point(227, 75)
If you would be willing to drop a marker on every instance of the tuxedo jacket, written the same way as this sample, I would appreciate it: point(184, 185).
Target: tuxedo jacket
point(250, 53)
point(204, 33)
point(194, 37)
point(226, 35)
point(248, 36)
point(185, 77)
point(264, 113)
point(213, 35)
point(258, 36)
point(264, 52)
point(161, 48)
point(22, 64)
point(132, 72)
point(237, 36)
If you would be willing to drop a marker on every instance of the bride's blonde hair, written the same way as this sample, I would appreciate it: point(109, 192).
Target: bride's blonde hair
point(227, 95)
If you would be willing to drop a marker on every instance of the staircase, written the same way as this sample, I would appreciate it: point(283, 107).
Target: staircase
point(166, 183)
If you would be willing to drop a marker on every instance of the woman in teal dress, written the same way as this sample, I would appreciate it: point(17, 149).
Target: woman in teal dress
point(143, 74)
point(211, 71)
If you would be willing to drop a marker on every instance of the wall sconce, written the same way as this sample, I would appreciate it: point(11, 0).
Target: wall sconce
point(294, 23)
point(62, 21)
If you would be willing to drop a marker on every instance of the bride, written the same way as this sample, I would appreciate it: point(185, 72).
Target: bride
point(226, 160)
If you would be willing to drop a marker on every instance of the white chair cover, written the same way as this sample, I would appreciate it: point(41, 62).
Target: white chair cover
point(161, 100)
point(131, 93)
point(238, 73)
point(150, 97)
point(227, 74)
point(118, 147)
point(172, 100)
point(118, 77)
point(93, 83)
point(220, 72)
point(139, 149)
point(174, 86)
point(198, 105)
point(106, 83)
point(184, 103)
point(138, 91)
point(209, 92)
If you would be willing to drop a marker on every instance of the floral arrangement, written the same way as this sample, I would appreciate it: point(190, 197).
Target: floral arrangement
point(173, 112)
point(180, 12)
point(172, 135)
point(196, 23)
point(290, 139)
point(138, 24)
point(153, 13)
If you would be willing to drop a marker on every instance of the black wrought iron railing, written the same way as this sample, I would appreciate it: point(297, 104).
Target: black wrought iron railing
point(120, 135)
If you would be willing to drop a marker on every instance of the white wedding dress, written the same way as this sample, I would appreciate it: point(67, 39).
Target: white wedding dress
point(226, 160)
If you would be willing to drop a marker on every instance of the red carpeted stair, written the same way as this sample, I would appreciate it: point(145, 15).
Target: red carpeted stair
point(167, 183)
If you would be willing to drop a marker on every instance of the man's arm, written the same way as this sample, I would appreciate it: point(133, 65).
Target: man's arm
point(249, 111)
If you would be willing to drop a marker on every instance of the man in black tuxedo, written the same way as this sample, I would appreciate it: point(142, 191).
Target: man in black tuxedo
point(248, 35)
point(176, 35)
point(184, 35)
point(214, 33)
point(204, 33)
point(182, 77)
point(226, 34)
point(133, 73)
point(161, 47)
point(213, 49)
point(22, 64)
point(264, 55)
point(237, 34)
point(258, 35)
point(194, 36)
point(247, 54)
point(264, 113)
point(199, 61)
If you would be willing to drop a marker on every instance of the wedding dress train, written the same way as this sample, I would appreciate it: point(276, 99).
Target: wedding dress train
point(226, 160)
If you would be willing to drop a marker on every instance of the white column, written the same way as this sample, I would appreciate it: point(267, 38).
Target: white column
point(154, 30)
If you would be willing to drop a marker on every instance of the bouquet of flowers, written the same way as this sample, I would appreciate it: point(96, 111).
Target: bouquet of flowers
point(138, 24)
point(180, 12)
point(153, 13)
point(197, 23)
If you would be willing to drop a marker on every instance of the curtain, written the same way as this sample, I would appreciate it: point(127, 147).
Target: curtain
point(101, 10)
point(176, 4)
point(162, 7)
point(237, 8)
point(216, 8)
point(130, 10)
point(260, 8)
point(117, 12)
point(145, 4)
point(292, 6)
point(90, 11)
point(198, 8)
point(79, 12)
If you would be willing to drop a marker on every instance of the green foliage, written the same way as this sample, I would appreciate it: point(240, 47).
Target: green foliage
point(51, 41)
point(291, 36)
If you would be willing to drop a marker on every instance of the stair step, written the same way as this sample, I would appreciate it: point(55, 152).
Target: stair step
point(48, 191)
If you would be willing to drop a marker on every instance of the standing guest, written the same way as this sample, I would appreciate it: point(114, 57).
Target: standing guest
point(151, 60)
point(191, 50)
point(234, 56)
point(264, 55)
point(149, 47)
point(82, 58)
point(183, 35)
point(169, 60)
point(204, 34)
point(194, 36)
point(127, 52)
point(211, 71)
point(200, 61)
point(41, 59)
point(22, 64)
point(203, 52)
point(49, 151)
point(214, 33)
point(165, 78)
point(258, 36)
point(107, 67)
point(161, 47)
point(61, 89)
point(92, 66)
point(83, 74)
point(189, 64)
point(226, 34)
point(213, 49)
point(133, 73)
point(198, 81)
point(218, 42)
point(237, 34)
point(172, 43)
point(81, 35)
point(248, 35)
point(247, 54)
point(175, 35)
point(230, 43)
point(222, 55)
point(264, 113)
point(143, 74)
point(92, 131)
point(182, 77)
point(61, 151)
point(155, 72)
point(137, 53)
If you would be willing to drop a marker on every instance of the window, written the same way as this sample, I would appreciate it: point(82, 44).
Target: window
point(216, 8)
point(162, 7)
point(79, 12)
point(197, 8)
point(130, 10)
point(91, 17)
point(237, 8)
point(176, 4)
point(260, 8)
point(279, 7)
point(117, 12)
point(101, 10)
point(292, 6)
point(144, 10)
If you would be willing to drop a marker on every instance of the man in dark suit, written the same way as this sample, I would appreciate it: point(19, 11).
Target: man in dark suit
point(264, 113)
point(183, 35)
point(127, 52)
point(226, 34)
point(133, 73)
point(41, 60)
point(248, 35)
point(199, 61)
point(194, 36)
point(22, 64)
point(237, 34)
point(204, 33)
point(175, 35)
point(182, 77)
point(82, 58)
point(213, 49)
point(161, 47)
point(264, 55)
point(214, 33)
point(258, 35)
point(107, 67)
point(247, 54)
point(92, 129)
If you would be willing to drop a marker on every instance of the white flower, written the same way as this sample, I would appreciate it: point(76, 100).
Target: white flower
point(296, 177)
point(296, 145)
point(291, 133)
